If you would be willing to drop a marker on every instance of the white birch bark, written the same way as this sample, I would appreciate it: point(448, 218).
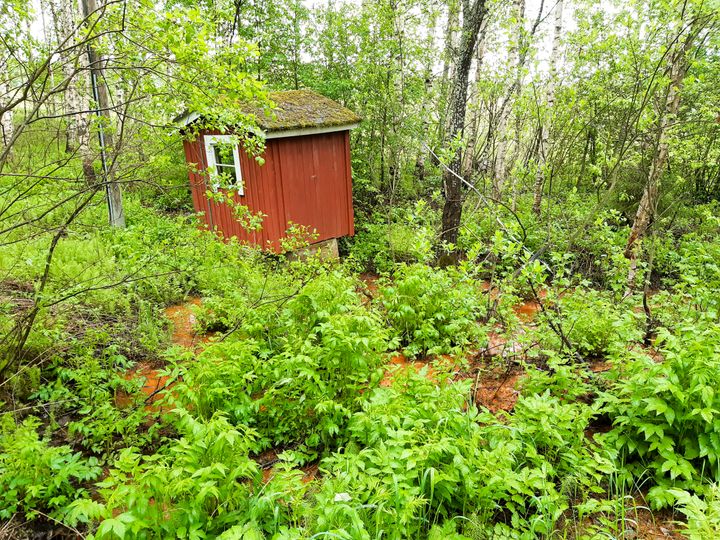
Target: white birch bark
point(544, 144)
point(502, 132)
point(64, 17)
point(677, 69)
point(6, 118)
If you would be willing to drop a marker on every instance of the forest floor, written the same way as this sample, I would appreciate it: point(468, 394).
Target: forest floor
point(495, 387)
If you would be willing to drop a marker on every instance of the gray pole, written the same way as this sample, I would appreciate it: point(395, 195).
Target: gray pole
point(101, 108)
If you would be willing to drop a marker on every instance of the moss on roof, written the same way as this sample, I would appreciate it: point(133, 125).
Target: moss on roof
point(297, 109)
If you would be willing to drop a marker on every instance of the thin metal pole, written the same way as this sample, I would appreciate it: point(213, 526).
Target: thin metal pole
point(113, 195)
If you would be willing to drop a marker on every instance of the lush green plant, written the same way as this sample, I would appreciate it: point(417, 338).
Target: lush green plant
point(87, 392)
point(702, 513)
point(405, 235)
point(37, 477)
point(665, 412)
point(431, 311)
point(300, 379)
point(562, 378)
point(593, 322)
point(198, 484)
point(419, 455)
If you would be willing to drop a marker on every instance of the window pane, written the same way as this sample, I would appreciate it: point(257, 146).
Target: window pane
point(228, 171)
point(223, 154)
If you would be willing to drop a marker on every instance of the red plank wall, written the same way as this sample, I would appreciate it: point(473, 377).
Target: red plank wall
point(305, 180)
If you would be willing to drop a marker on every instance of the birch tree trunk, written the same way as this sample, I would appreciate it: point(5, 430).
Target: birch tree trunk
point(677, 68)
point(473, 16)
point(64, 16)
point(469, 158)
point(6, 118)
point(544, 143)
point(502, 132)
point(448, 59)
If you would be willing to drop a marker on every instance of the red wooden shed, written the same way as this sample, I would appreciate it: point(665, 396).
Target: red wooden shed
point(305, 179)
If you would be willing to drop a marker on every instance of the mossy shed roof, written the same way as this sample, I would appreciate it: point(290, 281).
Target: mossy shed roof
point(295, 109)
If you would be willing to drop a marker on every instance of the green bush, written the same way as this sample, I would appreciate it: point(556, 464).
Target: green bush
point(85, 390)
point(406, 235)
point(197, 485)
point(419, 455)
point(665, 413)
point(431, 311)
point(593, 321)
point(702, 513)
point(299, 379)
point(36, 477)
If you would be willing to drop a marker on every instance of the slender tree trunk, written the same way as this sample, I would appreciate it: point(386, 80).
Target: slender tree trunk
point(448, 59)
point(473, 16)
point(469, 158)
point(678, 66)
point(501, 131)
point(101, 104)
point(64, 14)
point(543, 146)
point(7, 127)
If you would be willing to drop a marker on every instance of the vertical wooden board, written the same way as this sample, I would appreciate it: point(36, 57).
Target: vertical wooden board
point(338, 174)
point(274, 178)
point(322, 206)
point(194, 154)
point(250, 198)
point(293, 180)
point(350, 224)
point(331, 194)
point(282, 189)
point(323, 203)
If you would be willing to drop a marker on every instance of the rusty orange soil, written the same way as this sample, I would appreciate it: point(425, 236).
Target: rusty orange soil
point(185, 335)
point(183, 318)
point(152, 387)
point(526, 311)
point(495, 387)
point(369, 288)
point(399, 363)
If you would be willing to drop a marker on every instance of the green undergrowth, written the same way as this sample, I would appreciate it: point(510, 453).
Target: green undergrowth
point(290, 423)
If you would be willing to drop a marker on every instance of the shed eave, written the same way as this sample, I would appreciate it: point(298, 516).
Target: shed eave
point(300, 132)
point(187, 119)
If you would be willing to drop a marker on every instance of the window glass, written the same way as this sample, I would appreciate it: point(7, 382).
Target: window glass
point(223, 160)
point(224, 155)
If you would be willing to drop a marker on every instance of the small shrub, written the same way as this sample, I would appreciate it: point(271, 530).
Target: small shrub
point(431, 311)
point(197, 485)
point(85, 390)
point(300, 378)
point(36, 476)
point(665, 414)
point(419, 455)
point(593, 322)
point(406, 235)
point(702, 513)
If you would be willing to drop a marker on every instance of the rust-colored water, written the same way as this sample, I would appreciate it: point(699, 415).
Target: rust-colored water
point(370, 286)
point(183, 318)
point(153, 385)
point(185, 335)
point(403, 364)
point(498, 391)
point(526, 311)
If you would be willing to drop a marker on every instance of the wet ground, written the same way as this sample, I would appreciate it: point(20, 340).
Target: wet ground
point(184, 334)
point(495, 374)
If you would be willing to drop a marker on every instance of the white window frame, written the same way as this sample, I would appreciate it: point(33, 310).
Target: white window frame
point(212, 140)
